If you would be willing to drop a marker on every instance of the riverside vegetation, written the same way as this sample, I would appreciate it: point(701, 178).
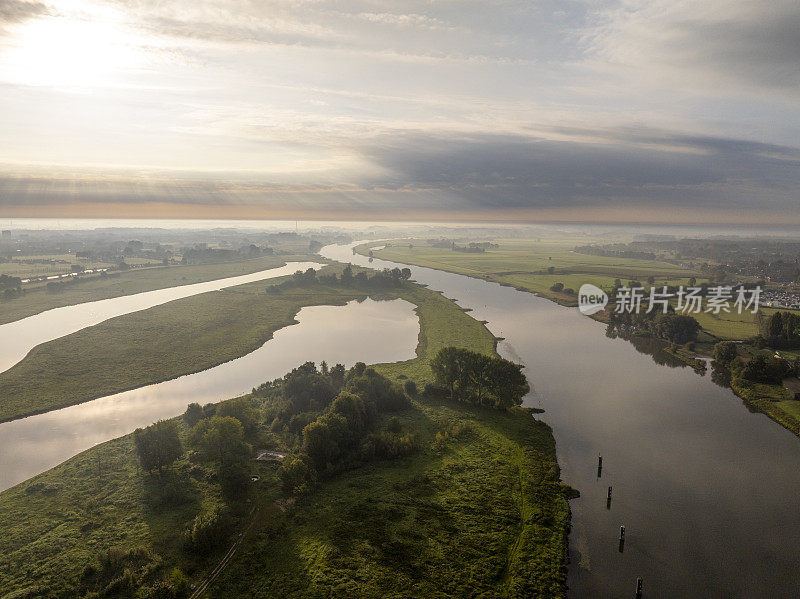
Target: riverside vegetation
point(555, 269)
point(398, 480)
point(138, 349)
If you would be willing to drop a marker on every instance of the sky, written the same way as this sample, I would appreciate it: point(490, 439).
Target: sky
point(582, 111)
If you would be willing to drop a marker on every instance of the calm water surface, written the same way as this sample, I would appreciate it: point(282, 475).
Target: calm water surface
point(21, 336)
point(709, 492)
point(368, 331)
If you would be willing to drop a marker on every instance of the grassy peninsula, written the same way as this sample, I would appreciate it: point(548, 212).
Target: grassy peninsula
point(471, 503)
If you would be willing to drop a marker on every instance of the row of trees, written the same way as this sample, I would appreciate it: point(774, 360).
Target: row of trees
point(360, 280)
point(783, 330)
point(672, 327)
point(474, 377)
point(758, 369)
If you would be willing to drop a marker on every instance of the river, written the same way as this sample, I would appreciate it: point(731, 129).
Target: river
point(21, 336)
point(706, 489)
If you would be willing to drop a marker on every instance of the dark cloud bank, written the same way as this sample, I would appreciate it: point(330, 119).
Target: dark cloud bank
point(480, 172)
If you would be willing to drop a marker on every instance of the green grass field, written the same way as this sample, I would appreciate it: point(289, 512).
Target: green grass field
point(524, 263)
point(37, 299)
point(481, 513)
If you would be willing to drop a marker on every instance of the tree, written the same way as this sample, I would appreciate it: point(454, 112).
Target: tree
point(320, 444)
point(306, 389)
point(337, 376)
point(347, 274)
point(446, 368)
point(193, 414)
point(557, 287)
point(218, 438)
point(761, 369)
point(677, 328)
point(243, 410)
point(158, 445)
point(725, 352)
point(356, 412)
point(507, 382)
point(376, 389)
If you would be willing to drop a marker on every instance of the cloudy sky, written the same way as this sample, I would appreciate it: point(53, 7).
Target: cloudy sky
point(638, 110)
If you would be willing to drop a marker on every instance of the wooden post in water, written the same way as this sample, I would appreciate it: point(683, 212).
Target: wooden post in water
point(621, 539)
point(608, 500)
point(599, 466)
point(639, 588)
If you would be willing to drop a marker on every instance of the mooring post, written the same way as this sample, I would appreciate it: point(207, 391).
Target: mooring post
point(639, 588)
point(608, 499)
point(621, 533)
point(609, 493)
point(599, 466)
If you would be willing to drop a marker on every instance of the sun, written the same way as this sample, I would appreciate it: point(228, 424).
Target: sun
point(83, 50)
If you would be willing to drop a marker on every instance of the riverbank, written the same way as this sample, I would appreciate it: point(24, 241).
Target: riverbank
point(479, 508)
point(772, 400)
point(158, 344)
point(115, 284)
point(533, 266)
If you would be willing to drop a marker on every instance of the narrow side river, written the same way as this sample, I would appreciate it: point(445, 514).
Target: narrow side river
point(21, 336)
point(708, 491)
point(369, 331)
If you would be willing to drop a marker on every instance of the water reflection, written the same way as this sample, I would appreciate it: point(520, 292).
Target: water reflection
point(369, 331)
point(647, 344)
point(21, 336)
point(705, 489)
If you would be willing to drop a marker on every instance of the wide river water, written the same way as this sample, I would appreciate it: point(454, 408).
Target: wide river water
point(21, 336)
point(708, 491)
point(369, 331)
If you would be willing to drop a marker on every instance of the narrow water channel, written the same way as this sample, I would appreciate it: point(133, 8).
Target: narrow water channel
point(369, 331)
point(21, 336)
point(707, 490)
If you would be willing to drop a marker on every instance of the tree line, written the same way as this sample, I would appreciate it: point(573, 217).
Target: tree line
point(386, 278)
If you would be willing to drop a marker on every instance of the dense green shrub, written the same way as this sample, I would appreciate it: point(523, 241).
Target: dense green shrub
point(158, 445)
